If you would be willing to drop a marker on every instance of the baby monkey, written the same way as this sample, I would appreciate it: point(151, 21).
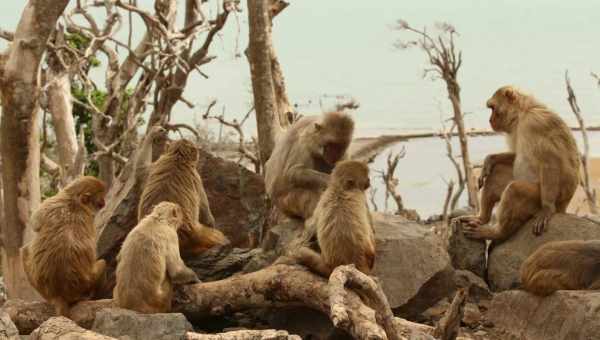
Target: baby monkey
point(343, 223)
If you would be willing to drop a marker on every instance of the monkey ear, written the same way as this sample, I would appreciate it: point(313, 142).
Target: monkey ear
point(350, 184)
point(510, 94)
point(318, 127)
point(86, 198)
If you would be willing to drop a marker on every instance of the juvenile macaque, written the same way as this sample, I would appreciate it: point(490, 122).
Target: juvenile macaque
point(60, 262)
point(343, 223)
point(536, 179)
point(149, 263)
point(298, 170)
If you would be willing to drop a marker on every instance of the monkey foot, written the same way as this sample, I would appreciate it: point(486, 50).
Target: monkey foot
point(471, 220)
point(540, 220)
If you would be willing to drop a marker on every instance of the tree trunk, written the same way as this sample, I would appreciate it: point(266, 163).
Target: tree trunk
point(20, 136)
point(61, 110)
point(454, 95)
point(259, 58)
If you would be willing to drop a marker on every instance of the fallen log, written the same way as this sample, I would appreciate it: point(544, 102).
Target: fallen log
point(274, 286)
point(267, 334)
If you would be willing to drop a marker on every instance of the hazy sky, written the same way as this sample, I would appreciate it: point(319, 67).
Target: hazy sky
point(346, 47)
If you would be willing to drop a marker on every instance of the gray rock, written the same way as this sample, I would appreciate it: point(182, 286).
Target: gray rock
point(8, 330)
point(466, 253)
point(411, 263)
point(564, 315)
point(128, 325)
point(505, 259)
point(478, 289)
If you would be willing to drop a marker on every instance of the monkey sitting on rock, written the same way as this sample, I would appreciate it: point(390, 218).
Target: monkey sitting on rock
point(562, 265)
point(536, 179)
point(149, 263)
point(60, 262)
point(343, 223)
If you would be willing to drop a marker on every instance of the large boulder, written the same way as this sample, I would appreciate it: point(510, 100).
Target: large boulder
point(466, 253)
point(61, 328)
point(505, 259)
point(564, 315)
point(126, 324)
point(236, 196)
point(412, 264)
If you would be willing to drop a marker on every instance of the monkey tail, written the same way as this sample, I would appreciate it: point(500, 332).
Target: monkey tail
point(210, 237)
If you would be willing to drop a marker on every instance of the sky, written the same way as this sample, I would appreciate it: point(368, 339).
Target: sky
point(346, 47)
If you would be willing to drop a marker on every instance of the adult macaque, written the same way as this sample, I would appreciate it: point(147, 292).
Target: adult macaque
point(298, 170)
point(174, 178)
point(572, 265)
point(60, 262)
point(545, 167)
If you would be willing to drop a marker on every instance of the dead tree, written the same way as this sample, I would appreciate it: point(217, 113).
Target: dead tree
point(459, 174)
point(273, 111)
point(390, 181)
point(445, 63)
point(20, 137)
point(242, 142)
point(590, 192)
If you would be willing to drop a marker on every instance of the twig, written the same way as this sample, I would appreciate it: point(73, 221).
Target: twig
point(449, 325)
point(447, 202)
point(589, 191)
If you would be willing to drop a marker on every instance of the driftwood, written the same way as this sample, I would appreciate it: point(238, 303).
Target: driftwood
point(449, 325)
point(267, 334)
point(274, 286)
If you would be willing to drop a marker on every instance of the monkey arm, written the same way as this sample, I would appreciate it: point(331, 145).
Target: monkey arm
point(304, 177)
point(549, 191)
point(176, 268)
point(206, 216)
point(507, 158)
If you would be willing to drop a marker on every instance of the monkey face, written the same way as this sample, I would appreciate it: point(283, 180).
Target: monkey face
point(94, 200)
point(333, 152)
point(504, 108)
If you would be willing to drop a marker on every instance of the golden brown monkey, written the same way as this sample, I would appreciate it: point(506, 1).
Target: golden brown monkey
point(174, 178)
point(60, 262)
point(573, 265)
point(343, 223)
point(149, 263)
point(544, 161)
point(298, 170)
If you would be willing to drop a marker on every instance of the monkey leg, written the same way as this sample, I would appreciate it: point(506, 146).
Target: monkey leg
point(98, 278)
point(547, 281)
point(491, 192)
point(61, 306)
point(519, 202)
point(313, 261)
point(300, 203)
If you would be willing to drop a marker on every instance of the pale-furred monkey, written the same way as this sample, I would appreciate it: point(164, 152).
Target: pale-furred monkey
point(174, 178)
point(60, 262)
point(149, 262)
point(539, 175)
point(298, 170)
point(343, 223)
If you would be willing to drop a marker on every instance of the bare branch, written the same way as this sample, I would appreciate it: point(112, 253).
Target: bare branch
point(7, 35)
point(449, 325)
point(589, 191)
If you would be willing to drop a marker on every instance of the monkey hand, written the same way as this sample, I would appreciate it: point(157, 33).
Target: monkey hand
point(541, 219)
point(470, 220)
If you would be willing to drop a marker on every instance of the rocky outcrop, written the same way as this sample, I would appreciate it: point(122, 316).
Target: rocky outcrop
point(126, 324)
point(61, 328)
point(505, 259)
point(564, 315)
point(8, 330)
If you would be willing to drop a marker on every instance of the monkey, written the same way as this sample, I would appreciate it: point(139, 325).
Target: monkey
point(298, 170)
point(149, 262)
point(174, 178)
point(536, 179)
point(562, 265)
point(60, 262)
point(343, 223)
